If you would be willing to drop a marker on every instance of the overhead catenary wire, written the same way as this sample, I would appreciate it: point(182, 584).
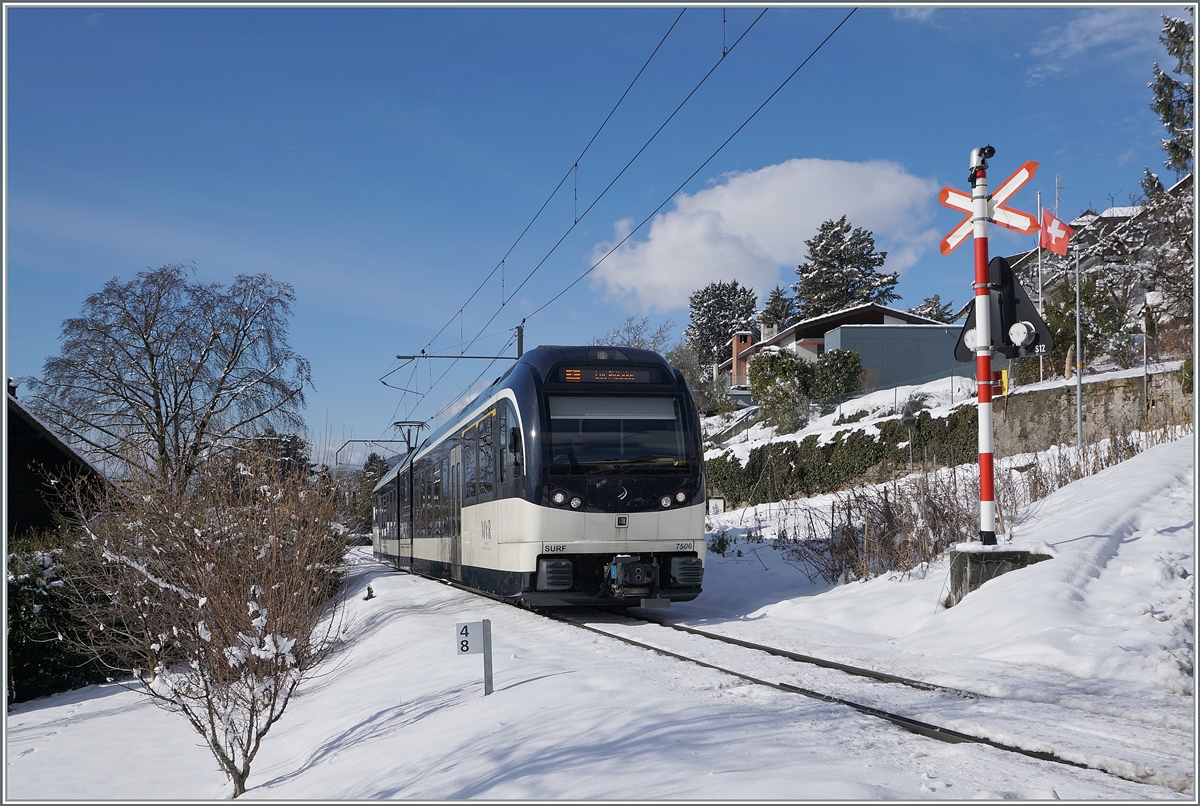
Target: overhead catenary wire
point(553, 193)
point(471, 385)
point(683, 184)
point(594, 201)
point(573, 169)
point(645, 145)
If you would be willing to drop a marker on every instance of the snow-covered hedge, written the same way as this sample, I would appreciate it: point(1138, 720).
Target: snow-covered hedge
point(786, 469)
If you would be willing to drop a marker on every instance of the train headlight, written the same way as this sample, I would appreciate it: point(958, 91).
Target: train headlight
point(666, 501)
point(680, 496)
point(559, 498)
point(576, 502)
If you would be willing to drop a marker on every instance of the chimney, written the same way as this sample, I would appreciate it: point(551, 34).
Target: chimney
point(741, 343)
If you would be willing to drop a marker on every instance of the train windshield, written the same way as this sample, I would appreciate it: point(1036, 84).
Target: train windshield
point(617, 434)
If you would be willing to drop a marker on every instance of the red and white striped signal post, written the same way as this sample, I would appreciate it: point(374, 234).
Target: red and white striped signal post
point(982, 208)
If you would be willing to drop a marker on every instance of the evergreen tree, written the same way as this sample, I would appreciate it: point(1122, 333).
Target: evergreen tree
point(1163, 234)
point(718, 311)
point(780, 309)
point(373, 470)
point(842, 271)
point(1173, 100)
point(1105, 326)
point(932, 308)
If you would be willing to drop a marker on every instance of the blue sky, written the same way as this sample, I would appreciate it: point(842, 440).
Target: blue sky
point(383, 160)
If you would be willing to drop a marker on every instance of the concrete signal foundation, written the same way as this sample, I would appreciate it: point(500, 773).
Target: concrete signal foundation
point(970, 569)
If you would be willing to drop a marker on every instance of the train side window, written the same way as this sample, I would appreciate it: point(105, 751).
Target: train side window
point(501, 443)
point(444, 498)
point(508, 449)
point(487, 466)
point(405, 505)
point(470, 436)
point(425, 500)
point(419, 499)
point(514, 443)
point(436, 491)
point(390, 514)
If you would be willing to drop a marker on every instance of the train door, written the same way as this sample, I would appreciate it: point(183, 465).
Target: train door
point(402, 507)
point(454, 515)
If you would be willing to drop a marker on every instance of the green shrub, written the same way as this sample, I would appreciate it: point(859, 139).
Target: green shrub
point(784, 384)
point(781, 383)
point(846, 419)
point(725, 474)
point(836, 373)
point(720, 543)
point(40, 662)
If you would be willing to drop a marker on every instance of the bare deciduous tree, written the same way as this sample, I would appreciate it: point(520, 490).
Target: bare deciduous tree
point(636, 333)
point(158, 369)
point(219, 598)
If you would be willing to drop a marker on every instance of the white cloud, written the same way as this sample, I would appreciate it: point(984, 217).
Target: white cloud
point(1123, 27)
point(914, 13)
point(1115, 32)
point(750, 224)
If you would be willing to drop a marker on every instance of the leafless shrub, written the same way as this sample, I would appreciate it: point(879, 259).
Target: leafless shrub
point(868, 531)
point(218, 598)
point(1173, 342)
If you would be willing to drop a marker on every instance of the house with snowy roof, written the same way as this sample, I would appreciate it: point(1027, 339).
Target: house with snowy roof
point(898, 345)
point(34, 454)
point(1090, 229)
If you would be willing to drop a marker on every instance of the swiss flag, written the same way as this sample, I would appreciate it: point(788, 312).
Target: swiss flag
point(1055, 234)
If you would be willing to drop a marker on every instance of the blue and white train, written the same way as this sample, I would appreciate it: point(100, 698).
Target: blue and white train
point(576, 478)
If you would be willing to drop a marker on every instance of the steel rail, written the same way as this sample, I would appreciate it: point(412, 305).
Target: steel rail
point(915, 726)
point(815, 661)
point(928, 729)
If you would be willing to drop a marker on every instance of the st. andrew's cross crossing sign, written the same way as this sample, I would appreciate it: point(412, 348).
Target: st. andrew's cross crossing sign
point(982, 208)
point(997, 212)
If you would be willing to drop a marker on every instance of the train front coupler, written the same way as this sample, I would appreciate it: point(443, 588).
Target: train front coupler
point(627, 576)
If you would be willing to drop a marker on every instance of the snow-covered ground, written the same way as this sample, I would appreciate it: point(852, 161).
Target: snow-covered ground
point(1096, 643)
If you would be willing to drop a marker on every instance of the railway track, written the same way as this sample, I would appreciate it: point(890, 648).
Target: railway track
point(1039, 730)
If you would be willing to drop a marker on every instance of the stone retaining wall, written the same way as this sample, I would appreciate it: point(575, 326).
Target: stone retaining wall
point(1034, 420)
